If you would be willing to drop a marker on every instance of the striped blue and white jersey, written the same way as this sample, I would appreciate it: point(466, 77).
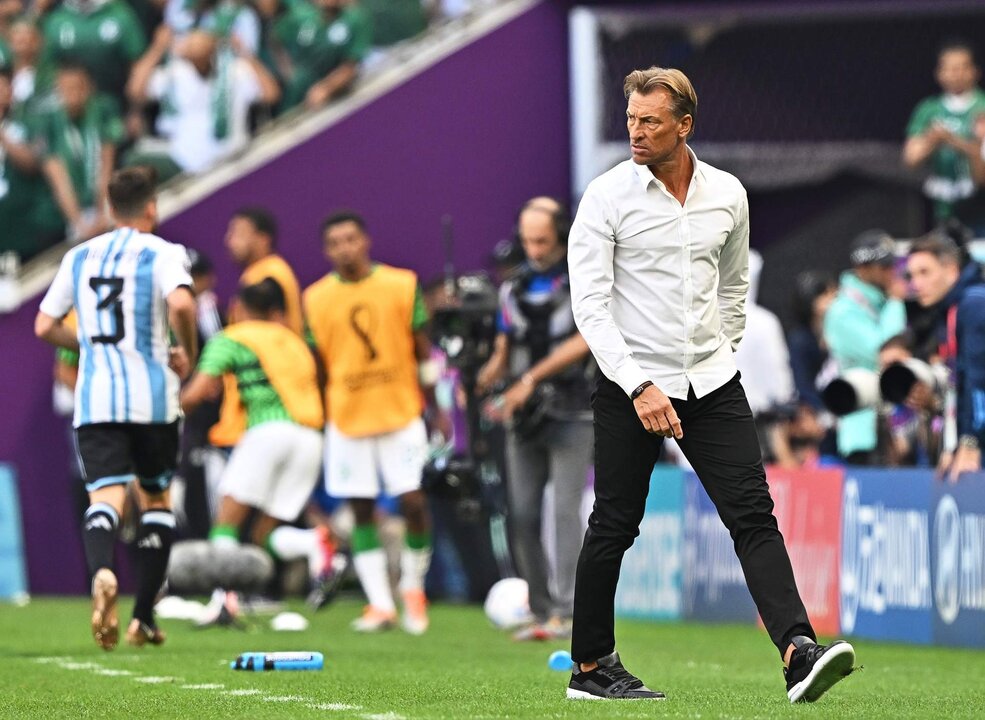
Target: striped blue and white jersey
point(118, 283)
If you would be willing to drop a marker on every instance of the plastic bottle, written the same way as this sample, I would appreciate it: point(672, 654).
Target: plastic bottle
point(258, 661)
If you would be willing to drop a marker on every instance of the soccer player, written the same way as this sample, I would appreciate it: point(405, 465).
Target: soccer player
point(367, 322)
point(127, 287)
point(275, 466)
point(251, 239)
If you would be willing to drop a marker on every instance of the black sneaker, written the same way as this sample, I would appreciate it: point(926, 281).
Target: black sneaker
point(609, 681)
point(815, 668)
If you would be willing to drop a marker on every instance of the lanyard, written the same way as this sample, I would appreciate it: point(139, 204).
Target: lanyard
point(948, 350)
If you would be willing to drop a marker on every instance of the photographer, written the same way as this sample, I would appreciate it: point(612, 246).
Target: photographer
point(547, 409)
point(942, 278)
point(867, 312)
point(913, 422)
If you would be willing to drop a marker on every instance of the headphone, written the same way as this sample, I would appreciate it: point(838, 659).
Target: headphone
point(560, 217)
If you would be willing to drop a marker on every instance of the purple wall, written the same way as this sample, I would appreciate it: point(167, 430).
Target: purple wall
point(36, 442)
point(472, 137)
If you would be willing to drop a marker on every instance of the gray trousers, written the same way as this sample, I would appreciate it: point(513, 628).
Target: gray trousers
point(561, 454)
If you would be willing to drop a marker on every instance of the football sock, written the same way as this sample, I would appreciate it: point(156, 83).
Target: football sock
point(99, 526)
point(369, 559)
point(153, 548)
point(415, 559)
point(291, 543)
point(225, 535)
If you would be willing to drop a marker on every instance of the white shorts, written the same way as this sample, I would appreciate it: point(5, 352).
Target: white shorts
point(363, 467)
point(274, 468)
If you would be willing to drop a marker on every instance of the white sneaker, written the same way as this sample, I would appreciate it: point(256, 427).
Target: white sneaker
point(374, 620)
point(415, 618)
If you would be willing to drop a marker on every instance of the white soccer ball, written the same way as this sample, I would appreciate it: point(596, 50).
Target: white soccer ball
point(289, 622)
point(508, 604)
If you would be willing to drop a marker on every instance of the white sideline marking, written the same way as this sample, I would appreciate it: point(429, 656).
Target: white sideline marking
point(67, 663)
point(155, 679)
point(337, 707)
point(92, 667)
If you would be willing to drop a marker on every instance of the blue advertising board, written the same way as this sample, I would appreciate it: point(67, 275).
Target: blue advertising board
point(13, 572)
point(886, 589)
point(650, 583)
point(957, 561)
point(714, 586)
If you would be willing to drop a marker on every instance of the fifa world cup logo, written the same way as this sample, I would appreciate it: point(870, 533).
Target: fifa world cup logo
point(363, 323)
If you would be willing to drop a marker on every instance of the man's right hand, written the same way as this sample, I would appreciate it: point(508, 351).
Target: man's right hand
point(179, 362)
point(657, 413)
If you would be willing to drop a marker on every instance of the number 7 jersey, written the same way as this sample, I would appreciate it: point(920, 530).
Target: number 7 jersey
point(118, 283)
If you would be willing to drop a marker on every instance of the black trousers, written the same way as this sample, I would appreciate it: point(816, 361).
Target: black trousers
point(721, 444)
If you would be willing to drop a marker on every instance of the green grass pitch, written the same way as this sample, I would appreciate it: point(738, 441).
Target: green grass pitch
point(462, 668)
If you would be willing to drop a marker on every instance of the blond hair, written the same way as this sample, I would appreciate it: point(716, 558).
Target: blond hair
point(682, 94)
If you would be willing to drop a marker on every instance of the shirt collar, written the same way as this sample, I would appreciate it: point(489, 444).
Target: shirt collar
point(646, 177)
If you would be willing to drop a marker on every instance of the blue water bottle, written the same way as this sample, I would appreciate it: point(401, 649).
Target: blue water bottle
point(259, 661)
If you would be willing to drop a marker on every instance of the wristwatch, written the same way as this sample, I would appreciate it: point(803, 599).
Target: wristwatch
point(968, 441)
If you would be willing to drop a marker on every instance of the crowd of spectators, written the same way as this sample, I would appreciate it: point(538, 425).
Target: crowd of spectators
point(89, 85)
point(877, 316)
point(885, 371)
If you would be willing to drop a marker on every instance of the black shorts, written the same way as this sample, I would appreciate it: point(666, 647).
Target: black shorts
point(113, 453)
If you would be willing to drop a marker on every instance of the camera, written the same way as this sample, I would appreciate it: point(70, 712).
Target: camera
point(899, 378)
point(856, 389)
point(860, 389)
point(466, 330)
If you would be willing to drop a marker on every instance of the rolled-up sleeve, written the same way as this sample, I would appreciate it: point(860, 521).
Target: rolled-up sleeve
point(733, 281)
point(591, 252)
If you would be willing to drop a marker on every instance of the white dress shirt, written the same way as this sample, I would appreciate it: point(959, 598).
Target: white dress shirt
point(659, 289)
point(191, 121)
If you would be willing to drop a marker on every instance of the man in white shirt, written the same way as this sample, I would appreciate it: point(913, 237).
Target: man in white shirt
point(658, 260)
point(763, 358)
point(127, 287)
point(205, 91)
